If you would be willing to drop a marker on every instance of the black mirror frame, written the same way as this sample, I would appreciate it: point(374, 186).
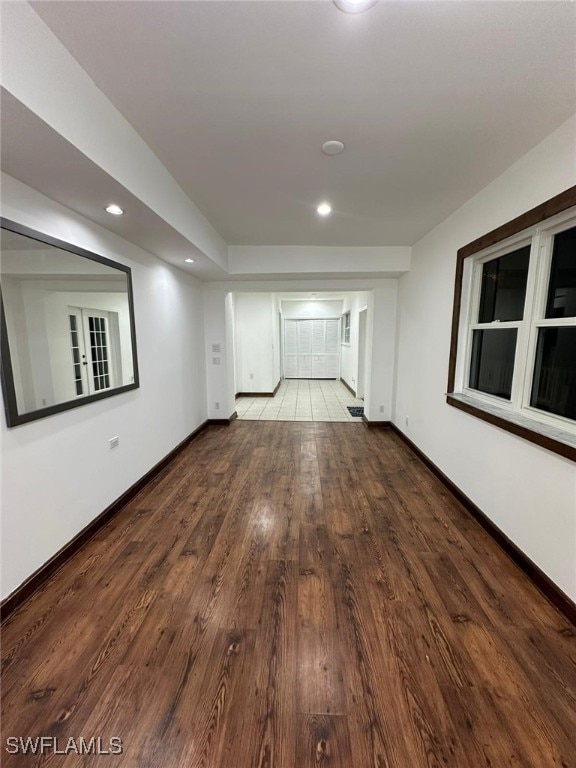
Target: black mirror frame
point(13, 418)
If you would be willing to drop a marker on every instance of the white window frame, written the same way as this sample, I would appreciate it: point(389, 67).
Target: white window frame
point(540, 238)
point(346, 328)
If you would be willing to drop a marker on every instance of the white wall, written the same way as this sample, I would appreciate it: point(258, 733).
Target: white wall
point(277, 341)
point(349, 367)
point(58, 473)
point(314, 261)
point(304, 308)
point(220, 331)
point(256, 342)
point(381, 350)
point(528, 492)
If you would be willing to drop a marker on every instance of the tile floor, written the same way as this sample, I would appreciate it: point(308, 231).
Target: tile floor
point(301, 400)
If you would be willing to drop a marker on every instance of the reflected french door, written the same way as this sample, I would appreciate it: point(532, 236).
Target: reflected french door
point(91, 353)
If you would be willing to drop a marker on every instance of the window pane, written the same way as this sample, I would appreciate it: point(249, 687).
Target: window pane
point(554, 387)
point(504, 287)
point(492, 364)
point(562, 289)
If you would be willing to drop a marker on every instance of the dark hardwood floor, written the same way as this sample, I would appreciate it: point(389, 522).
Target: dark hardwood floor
point(293, 595)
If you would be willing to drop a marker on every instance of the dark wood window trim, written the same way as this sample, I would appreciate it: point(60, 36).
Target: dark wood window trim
point(540, 213)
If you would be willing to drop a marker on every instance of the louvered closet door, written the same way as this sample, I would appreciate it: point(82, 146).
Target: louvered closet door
point(311, 349)
point(290, 349)
point(304, 348)
point(332, 349)
point(318, 347)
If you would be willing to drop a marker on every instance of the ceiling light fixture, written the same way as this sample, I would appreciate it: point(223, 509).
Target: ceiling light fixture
point(324, 209)
point(332, 147)
point(354, 6)
point(114, 209)
point(189, 261)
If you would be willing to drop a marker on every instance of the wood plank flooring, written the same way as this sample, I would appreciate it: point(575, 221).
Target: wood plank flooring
point(293, 595)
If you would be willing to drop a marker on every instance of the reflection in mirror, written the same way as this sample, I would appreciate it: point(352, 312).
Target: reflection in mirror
point(68, 331)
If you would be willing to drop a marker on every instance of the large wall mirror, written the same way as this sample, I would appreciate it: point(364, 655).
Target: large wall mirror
point(67, 325)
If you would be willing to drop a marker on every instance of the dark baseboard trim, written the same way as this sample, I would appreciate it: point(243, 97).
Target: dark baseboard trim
point(254, 394)
point(348, 387)
point(40, 576)
point(379, 424)
point(548, 588)
point(260, 394)
point(223, 422)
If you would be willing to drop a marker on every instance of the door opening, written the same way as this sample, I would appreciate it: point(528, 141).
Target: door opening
point(361, 378)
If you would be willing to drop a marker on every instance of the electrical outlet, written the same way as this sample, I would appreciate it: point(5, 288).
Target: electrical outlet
point(251, 375)
point(114, 442)
point(217, 406)
point(406, 420)
point(381, 409)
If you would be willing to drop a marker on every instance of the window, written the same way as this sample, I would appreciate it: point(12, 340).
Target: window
point(513, 355)
point(554, 386)
point(492, 363)
point(346, 328)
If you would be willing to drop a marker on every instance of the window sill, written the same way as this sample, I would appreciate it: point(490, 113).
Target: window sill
point(548, 437)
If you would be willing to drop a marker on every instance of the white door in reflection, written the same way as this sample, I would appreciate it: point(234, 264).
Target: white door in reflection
point(94, 342)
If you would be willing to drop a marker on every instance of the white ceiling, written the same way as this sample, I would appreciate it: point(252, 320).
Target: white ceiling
point(432, 99)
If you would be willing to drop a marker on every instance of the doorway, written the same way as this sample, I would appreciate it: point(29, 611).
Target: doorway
point(361, 378)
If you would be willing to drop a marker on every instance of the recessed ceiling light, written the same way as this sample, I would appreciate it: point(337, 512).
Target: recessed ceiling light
point(354, 6)
point(189, 261)
point(114, 209)
point(332, 147)
point(324, 209)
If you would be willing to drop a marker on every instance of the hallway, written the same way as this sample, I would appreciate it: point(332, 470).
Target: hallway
point(293, 595)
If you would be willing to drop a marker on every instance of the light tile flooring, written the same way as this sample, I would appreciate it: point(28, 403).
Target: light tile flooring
point(301, 400)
